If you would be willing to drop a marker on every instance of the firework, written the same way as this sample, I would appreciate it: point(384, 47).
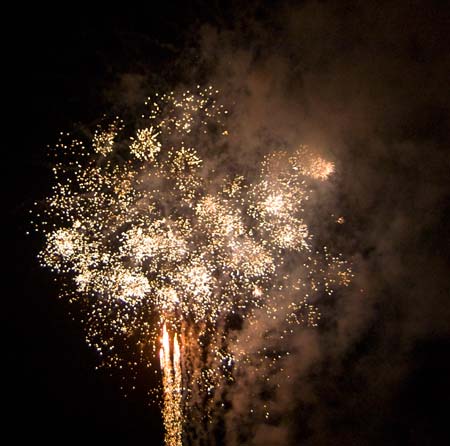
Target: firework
point(159, 249)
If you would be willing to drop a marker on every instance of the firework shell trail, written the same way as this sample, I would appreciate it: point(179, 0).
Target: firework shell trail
point(170, 366)
point(157, 247)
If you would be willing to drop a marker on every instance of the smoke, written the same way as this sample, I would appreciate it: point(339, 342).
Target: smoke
point(366, 86)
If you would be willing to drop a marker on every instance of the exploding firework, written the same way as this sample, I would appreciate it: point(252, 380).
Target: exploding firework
point(170, 252)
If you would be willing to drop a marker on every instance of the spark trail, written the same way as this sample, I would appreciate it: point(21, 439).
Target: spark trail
point(170, 366)
point(160, 245)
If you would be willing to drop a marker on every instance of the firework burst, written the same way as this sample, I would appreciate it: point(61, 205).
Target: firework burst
point(165, 254)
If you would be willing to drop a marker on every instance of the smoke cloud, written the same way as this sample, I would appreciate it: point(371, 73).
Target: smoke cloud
point(366, 86)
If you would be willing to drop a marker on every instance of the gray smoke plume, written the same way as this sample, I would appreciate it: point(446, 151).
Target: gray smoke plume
point(366, 86)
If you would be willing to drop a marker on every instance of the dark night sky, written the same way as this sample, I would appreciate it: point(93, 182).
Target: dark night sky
point(371, 83)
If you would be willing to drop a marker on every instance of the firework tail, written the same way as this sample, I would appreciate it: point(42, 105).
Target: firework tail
point(172, 386)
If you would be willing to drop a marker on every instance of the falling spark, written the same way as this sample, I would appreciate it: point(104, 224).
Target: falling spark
point(159, 250)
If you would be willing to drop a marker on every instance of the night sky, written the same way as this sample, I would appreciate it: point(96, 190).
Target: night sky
point(366, 83)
